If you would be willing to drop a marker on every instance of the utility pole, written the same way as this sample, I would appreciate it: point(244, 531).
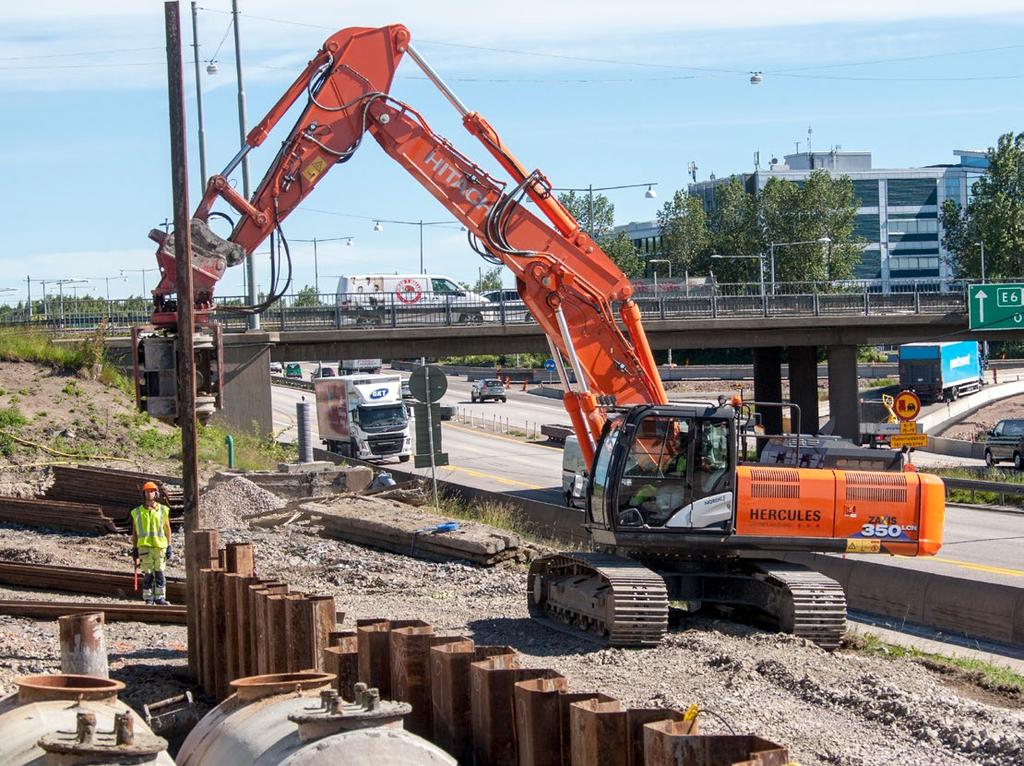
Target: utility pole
point(186, 306)
point(250, 264)
point(28, 282)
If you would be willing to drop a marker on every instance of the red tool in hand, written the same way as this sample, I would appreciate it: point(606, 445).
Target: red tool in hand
point(135, 578)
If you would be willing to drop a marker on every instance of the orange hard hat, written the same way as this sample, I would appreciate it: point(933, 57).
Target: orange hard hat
point(150, 485)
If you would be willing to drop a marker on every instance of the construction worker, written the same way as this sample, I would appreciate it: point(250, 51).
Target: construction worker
point(151, 543)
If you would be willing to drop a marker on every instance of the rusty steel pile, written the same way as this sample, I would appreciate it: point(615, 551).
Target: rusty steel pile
point(476, 702)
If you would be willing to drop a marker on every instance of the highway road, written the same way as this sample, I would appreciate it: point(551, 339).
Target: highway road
point(984, 545)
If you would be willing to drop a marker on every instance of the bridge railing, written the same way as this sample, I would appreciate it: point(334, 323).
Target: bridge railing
point(704, 301)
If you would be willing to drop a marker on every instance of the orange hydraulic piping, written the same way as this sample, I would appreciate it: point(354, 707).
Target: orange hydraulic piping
point(631, 317)
point(262, 129)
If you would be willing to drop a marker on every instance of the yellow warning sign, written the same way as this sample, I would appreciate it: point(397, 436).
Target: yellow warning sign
point(313, 169)
point(863, 546)
point(908, 440)
point(908, 427)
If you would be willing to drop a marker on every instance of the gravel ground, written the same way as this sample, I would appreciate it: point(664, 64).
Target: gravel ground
point(979, 423)
point(839, 708)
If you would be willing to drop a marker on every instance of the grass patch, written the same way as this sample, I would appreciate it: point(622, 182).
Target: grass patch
point(252, 451)
point(881, 382)
point(17, 345)
point(493, 514)
point(10, 420)
point(987, 675)
point(978, 497)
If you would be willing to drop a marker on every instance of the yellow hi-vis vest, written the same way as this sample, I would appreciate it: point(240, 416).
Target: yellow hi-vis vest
point(149, 526)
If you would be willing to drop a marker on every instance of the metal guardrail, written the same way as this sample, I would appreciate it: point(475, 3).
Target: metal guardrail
point(359, 310)
point(1001, 488)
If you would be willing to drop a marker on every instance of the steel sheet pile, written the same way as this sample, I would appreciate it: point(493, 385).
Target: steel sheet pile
point(479, 703)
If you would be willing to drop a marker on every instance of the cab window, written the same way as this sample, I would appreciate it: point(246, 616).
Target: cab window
point(445, 286)
point(656, 477)
point(711, 464)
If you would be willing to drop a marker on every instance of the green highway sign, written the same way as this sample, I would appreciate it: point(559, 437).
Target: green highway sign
point(996, 307)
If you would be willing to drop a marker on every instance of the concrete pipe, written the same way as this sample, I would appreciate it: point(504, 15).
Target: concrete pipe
point(298, 719)
point(69, 719)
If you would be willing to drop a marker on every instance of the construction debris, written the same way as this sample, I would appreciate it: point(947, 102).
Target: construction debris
point(397, 527)
point(98, 582)
point(134, 613)
point(57, 514)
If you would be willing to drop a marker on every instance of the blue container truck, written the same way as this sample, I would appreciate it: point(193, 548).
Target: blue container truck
point(941, 371)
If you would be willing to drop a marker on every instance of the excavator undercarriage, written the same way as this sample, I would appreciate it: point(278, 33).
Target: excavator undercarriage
point(622, 602)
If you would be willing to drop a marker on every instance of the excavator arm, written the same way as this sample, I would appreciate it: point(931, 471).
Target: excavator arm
point(565, 279)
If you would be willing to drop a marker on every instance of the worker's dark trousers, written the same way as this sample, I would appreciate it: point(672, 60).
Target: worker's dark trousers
point(154, 585)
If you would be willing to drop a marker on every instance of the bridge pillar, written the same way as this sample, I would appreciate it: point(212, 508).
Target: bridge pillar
point(803, 385)
point(768, 387)
point(247, 383)
point(842, 391)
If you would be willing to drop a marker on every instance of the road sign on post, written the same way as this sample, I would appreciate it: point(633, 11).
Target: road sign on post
point(907, 405)
point(996, 307)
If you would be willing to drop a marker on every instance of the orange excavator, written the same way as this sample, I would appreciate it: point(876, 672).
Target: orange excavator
point(672, 515)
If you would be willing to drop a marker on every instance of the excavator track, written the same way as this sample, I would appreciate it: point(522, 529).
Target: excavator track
point(808, 604)
point(599, 596)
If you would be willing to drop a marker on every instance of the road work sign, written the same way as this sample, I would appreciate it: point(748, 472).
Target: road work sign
point(908, 440)
point(996, 307)
point(907, 405)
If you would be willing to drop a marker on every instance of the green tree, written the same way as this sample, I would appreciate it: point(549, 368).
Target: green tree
point(735, 231)
point(489, 279)
point(597, 216)
point(995, 216)
point(823, 206)
point(685, 236)
point(307, 297)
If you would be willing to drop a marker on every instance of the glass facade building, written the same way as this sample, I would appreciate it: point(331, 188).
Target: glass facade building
point(897, 209)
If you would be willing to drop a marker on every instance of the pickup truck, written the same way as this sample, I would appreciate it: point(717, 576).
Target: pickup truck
point(1006, 442)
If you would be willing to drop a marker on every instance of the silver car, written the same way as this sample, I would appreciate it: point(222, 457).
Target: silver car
point(488, 388)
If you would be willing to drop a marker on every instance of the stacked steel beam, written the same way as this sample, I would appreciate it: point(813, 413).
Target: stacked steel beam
point(115, 491)
point(97, 582)
point(480, 703)
point(59, 514)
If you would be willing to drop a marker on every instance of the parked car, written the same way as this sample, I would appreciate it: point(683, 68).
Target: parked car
point(293, 370)
point(276, 368)
point(515, 309)
point(1006, 442)
point(488, 388)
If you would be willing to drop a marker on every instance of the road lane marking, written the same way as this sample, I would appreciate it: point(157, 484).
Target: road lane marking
point(483, 475)
point(982, 567)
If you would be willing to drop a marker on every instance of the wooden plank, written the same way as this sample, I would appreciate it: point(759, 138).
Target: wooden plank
point(120, 612)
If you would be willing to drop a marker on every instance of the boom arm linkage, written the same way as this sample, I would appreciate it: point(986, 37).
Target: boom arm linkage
point(564, 278)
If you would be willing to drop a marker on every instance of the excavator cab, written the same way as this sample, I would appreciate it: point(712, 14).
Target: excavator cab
point(663, 469)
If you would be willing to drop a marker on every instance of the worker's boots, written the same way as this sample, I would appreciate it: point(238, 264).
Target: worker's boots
point(159, 602)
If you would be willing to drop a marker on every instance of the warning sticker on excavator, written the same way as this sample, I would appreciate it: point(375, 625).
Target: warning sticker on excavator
point(863, 546)
point(313, 169)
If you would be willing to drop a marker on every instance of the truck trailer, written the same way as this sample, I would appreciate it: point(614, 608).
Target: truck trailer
point(941, 371)
point(362, 416)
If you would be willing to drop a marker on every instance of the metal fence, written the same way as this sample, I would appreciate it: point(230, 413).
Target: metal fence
point(358, 310)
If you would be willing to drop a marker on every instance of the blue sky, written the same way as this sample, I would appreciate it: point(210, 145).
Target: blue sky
point(599, 92)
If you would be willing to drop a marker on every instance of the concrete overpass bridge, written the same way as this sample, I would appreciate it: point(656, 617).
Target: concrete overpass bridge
point(798, 338)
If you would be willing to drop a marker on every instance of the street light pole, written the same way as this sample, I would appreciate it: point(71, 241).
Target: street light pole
point(590, 189)
point(421, 246)
point(760, 261)
point(820, 241)
point(250, 264)
point(199, 102)
point(981, 244)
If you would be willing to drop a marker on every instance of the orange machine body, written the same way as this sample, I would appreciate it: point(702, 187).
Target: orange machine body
point(899, 513)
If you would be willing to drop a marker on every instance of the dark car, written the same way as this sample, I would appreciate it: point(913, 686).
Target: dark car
point(1006, 442)
point(325, 372)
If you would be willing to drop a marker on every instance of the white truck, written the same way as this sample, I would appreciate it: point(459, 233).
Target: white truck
point(362, 416)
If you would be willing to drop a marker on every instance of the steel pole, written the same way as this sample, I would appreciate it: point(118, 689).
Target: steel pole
point(199, 103)
point(316, 270)
point(28, 283)
point(186, 305)
point(421, 247)
point(250, 263)
point(590, 209)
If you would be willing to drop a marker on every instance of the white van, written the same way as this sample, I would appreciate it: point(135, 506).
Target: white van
point(574, 473)
point(379, 298)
